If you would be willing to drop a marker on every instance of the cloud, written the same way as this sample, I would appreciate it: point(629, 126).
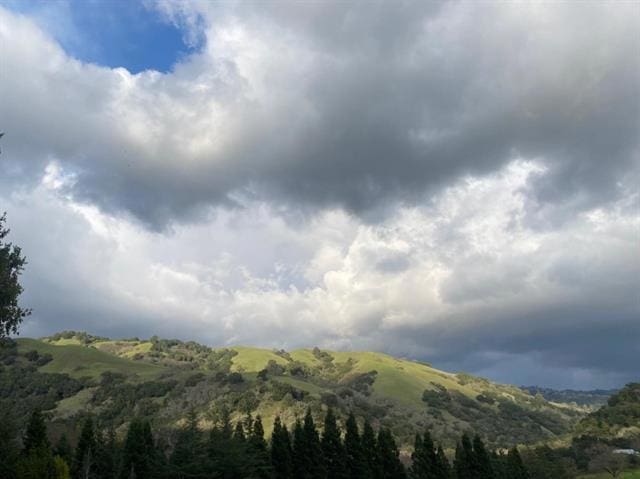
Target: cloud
point(354, 106)
point(438, 281)
point(446, 181)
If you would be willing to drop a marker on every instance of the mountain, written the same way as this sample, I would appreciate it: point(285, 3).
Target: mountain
point(593, 399)
point(71, 373)
point(618, 420)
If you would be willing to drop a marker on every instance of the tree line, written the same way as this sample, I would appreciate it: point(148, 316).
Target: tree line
point(240, 450)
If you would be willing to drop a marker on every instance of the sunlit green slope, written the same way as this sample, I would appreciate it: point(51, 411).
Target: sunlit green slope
point(165, 379)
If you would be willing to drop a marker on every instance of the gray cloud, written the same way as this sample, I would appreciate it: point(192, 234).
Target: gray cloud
point(445, 181)
point(351, 106)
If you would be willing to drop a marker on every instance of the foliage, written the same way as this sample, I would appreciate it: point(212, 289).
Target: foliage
point(11, 266)
point(163, 379)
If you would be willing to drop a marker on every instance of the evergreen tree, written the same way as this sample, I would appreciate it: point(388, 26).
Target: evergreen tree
point(36, 434)
point(332, 449)
point(464, 460)
point(9, 450)
point(308, 461)
point(139, 455)
point(36, 460)
point(238, 433)
point(84, 466)
point(515, 467)
point(63, 449)
point(389, 456)
point(301, 466)
point(355, 457)
point(187, 458)
point(228, 450)
point(106, 454)
point(312, 440)
point(443, 468)
point(423, 457)
point(369, 447)
point(61, 468)
point(481, 460)
point(281, 452)
point(417, 469)
point(258, 450)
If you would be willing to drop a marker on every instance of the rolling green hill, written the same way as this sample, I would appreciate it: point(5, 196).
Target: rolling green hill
point(79, 361)
point(618, 420)
point(165, 379)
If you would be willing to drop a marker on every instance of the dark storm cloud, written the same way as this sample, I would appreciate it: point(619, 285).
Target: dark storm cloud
point(363, 105)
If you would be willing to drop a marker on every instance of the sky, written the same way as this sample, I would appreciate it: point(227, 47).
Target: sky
point(455, 182)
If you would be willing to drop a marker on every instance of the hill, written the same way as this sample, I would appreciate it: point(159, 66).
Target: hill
point(593, 399)
point(618, 421)
point(166, 379)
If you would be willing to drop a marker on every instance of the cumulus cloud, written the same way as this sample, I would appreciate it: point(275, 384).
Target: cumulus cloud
point(335, 105)
point(447, 181)
point(461, 280)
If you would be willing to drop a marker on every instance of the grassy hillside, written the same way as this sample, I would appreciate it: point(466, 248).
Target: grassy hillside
point(619, 419)
point(165, 379)
point(591, 400)
point(78, 361)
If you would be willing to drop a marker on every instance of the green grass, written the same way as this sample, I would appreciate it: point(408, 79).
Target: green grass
point(300, 384)
point(71, 405)
point(79, 361)
point(635, 474)
point(253, 359)
point(126, 349)
point(398, 379)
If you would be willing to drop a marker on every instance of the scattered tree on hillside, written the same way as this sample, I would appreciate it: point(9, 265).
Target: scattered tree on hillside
point(609, 462)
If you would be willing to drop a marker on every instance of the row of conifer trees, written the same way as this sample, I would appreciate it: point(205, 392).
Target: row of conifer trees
point(241, 451)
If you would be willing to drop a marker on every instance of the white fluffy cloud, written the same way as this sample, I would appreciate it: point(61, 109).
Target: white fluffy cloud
point(429, 181)
point(459, 276)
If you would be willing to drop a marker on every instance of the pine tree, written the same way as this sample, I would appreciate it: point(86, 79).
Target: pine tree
point(515, 467)
point(139, 457)
point(63, 449)
point(106, 454)
point(83, 466)
point(482, 461)
point(9, 450)
point(464, 460)
point(36, 433)
point(157, 465)
point(227, 449)
point(238, 433)
point(281, 452)
point(332, 449)
point(417, 470)
point(443, 468)
point(187, 458)
point(423, 457)
point(312, 440)
point(61, 468)
point(355, 457)
point(258, 451)
point(301, 466)
point(389, 456)
point(36, 461)
point(369, 447)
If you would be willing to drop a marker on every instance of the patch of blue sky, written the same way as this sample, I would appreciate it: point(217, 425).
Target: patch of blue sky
point(113, 33)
